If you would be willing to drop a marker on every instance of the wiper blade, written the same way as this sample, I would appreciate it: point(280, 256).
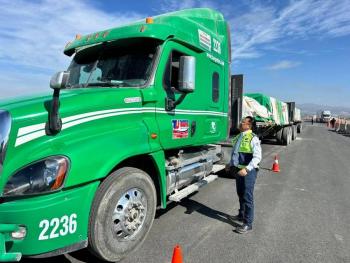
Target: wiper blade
point(74, 86)
point(104, 84)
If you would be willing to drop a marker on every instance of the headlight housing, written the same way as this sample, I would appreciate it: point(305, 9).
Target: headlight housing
point(44, 176)
point(5, 127)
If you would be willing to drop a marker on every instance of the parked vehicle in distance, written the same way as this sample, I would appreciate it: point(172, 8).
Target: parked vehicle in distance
point(323, 116)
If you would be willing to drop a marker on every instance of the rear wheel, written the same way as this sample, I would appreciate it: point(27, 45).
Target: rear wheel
point(279, 136)
point(294, 132)
point(122, 214)
point(299, 127)
point(286, 136)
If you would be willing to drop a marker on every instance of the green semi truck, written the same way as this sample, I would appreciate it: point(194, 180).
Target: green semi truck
point(136, 121)
point(131, 125)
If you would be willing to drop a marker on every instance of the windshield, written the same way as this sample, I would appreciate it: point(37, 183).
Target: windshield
point(120, 64)
point(5, 126)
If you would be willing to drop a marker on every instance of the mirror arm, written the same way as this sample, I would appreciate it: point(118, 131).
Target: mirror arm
point(171, 104)
point(54, 124)
point(180, 99)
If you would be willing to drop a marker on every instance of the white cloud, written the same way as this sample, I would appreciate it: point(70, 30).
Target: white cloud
point(265, 25)
point(15, 84)
point(33, 35)
point(284, 64)
point(175, 5)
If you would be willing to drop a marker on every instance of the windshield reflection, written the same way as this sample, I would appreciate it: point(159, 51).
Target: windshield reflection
point(121, 64)
point(5, 126)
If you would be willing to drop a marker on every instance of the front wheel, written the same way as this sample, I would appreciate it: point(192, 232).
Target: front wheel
point(122, 214)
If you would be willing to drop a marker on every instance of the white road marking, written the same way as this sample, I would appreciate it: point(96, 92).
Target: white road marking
point(339, 237)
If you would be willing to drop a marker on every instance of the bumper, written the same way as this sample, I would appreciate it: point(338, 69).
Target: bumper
point(5, 230)
point(51, 221)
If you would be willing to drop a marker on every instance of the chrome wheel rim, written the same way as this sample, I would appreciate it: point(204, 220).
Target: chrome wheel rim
point(129, 214)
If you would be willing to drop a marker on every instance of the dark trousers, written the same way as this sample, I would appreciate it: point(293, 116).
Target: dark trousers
point(245, 192)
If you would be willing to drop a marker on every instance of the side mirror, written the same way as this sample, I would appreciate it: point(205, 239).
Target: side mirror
point(187, 74)
point(59, 80)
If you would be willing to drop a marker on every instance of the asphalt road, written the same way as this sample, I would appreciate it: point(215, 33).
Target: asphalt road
point(302, 214)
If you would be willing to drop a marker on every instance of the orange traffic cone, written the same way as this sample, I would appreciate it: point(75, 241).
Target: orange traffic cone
point(276, 166)
point(177, 255)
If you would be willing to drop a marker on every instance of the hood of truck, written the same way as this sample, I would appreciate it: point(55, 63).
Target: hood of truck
point(74, 101)
point(80, 110)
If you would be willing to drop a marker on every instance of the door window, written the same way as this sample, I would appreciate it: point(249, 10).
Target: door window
point(215, 87)
point(171, 74)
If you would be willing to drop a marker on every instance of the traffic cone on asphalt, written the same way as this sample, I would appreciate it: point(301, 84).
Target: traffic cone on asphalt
point(177, 255)
point(276, 166)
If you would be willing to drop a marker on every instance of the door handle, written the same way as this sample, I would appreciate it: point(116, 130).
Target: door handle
point(193, 128)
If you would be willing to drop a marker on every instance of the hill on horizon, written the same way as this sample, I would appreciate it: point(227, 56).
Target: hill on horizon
point(312, 108)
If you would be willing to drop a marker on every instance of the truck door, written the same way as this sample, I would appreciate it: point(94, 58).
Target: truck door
point(215, 123)
point(195, 120)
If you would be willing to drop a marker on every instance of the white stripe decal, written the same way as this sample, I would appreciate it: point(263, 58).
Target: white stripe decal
point(32, 132)
point(29, 137)
point(41, 126)
point(193, 112)
point(29, 129)
point(80, 116)
point(77, 122)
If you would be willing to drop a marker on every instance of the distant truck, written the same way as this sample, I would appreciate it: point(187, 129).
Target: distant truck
point(323, 116)
point(139, 119)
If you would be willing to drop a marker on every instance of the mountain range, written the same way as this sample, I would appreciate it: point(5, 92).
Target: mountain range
point(311, 109)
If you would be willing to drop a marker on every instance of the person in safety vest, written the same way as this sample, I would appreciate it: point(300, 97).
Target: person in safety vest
point(245, 159)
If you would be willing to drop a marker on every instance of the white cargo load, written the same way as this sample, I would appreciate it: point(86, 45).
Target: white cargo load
point(253, 108)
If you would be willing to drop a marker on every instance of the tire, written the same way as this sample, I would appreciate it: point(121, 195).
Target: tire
point(279, 136)
point(119, 224)
point(294, 132)
point(299, 128)
point(286, 136)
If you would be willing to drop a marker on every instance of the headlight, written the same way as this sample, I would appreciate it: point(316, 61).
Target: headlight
point(5, 127)
point(40, 177)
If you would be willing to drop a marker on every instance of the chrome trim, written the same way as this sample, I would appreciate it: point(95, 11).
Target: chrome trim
point(5, 128)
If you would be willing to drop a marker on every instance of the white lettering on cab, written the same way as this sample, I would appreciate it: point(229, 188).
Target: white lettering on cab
point(58, 227)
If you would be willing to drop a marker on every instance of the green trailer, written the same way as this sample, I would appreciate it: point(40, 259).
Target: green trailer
point(281, 120)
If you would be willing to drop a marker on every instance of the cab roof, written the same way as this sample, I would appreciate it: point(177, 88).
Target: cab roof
point(184, 25)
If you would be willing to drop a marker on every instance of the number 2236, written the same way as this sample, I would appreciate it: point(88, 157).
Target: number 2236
point(59, 227)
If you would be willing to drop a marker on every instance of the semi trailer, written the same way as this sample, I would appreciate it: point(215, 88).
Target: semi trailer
point(272, 117)
point(139, 119)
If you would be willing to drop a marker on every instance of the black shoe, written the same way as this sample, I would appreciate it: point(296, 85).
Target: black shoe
point(243, 229)
point(236, 218)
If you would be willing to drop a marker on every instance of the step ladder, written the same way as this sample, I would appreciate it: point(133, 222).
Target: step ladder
point(178, 195)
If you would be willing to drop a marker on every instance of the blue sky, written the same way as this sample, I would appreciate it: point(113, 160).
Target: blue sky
point(293, 50)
